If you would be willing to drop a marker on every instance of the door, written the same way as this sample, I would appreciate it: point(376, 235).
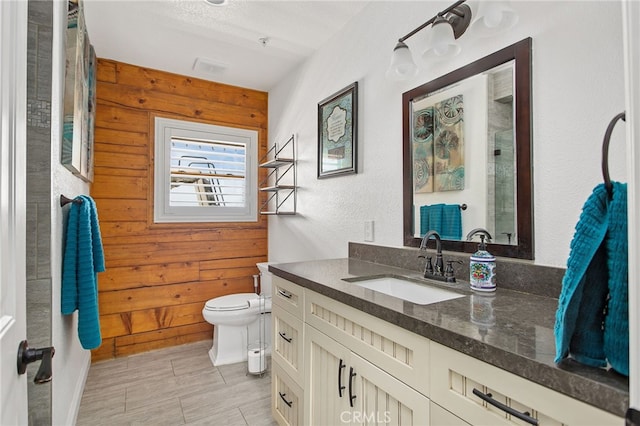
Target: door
point(13, 48)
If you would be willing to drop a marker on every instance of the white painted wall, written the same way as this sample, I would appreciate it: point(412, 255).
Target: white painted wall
point(578, 86)
point(71, 361)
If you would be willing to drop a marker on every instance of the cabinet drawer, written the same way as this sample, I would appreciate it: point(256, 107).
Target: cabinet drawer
point(397, 351)
point(288, 343)
point(288, 295)
point(286, 398)
point(454, 376)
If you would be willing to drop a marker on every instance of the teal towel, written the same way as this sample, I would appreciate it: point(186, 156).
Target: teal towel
point(445, 219)
point(592, 320)
point(83, 259)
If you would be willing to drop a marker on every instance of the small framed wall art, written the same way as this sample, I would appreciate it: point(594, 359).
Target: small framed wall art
point(337, 133)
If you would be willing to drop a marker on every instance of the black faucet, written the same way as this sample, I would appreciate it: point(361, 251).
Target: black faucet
point(439, 268)
point(437, 271)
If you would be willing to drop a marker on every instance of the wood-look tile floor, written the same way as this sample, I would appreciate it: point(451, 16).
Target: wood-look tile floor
point(174, 386)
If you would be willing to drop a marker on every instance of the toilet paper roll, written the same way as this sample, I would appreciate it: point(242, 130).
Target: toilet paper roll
point(257, 361)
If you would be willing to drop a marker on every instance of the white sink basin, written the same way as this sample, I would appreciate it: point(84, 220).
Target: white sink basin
point(420, 294)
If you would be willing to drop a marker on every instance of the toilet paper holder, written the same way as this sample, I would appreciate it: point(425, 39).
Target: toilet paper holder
point(256, 359)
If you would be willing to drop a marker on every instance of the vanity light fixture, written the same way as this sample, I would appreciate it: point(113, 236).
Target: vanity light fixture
point(447, 27)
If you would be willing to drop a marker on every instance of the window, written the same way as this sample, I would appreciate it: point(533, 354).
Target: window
point(204, 173)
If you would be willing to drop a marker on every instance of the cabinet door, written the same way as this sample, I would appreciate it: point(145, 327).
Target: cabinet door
point(382, 399)
point(286, 398)
point(326, 394)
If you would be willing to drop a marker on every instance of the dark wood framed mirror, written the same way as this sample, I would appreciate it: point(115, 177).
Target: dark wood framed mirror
point(495, 177)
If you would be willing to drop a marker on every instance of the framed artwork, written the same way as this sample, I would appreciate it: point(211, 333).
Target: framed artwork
point(79, 96)
point(337, 133)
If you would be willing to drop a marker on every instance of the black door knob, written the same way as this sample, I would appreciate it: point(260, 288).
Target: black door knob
point(27, 355)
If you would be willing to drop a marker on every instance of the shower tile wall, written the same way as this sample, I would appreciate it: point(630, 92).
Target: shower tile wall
point(501, 160)
point(38, 242)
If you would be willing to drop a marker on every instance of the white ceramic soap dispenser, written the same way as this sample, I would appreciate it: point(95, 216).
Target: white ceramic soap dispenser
point(482, 265)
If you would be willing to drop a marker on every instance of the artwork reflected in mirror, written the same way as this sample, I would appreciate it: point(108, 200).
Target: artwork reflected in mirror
point(467, 153)
point(438, 145)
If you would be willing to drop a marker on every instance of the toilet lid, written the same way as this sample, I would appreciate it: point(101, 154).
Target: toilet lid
point(230, 302)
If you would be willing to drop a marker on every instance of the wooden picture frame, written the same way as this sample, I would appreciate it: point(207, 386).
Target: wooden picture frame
point(337, 133)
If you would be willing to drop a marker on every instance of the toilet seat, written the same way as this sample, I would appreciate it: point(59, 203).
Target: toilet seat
point(230, 302)
point(236, 302)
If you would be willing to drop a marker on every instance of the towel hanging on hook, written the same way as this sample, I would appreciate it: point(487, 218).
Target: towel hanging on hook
point(605, 153)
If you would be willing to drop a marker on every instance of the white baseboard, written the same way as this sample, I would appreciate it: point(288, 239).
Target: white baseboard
point(74, 406)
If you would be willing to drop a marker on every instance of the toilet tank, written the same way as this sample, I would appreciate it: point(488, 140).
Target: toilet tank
point(265, 278)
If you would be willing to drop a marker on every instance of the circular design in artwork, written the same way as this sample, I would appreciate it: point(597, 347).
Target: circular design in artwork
point(451, 111)
point(446, 142)
point(423, 125)
point(457, 178)
point(420, 173)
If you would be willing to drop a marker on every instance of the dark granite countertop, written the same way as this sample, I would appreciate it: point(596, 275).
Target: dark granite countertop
point(511, 330)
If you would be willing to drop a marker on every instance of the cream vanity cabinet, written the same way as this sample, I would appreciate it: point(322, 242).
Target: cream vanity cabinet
point(344, 366)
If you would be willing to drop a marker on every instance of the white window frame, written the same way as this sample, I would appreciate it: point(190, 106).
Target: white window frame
point(163, 212)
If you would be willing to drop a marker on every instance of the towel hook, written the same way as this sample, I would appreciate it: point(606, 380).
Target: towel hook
point(605, 152)
point(64, 201)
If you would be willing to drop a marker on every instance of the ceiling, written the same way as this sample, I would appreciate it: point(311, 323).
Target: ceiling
point(247, 43)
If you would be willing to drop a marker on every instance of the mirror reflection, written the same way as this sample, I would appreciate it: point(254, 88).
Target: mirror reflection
point(463, 154)
point(467, 152)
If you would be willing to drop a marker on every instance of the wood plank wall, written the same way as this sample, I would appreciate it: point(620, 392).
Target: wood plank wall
point(159, 276)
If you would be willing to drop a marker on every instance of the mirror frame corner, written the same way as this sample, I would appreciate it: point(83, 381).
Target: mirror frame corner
point(521, 53)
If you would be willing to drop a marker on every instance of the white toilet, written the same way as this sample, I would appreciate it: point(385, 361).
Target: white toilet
point(240, 321)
